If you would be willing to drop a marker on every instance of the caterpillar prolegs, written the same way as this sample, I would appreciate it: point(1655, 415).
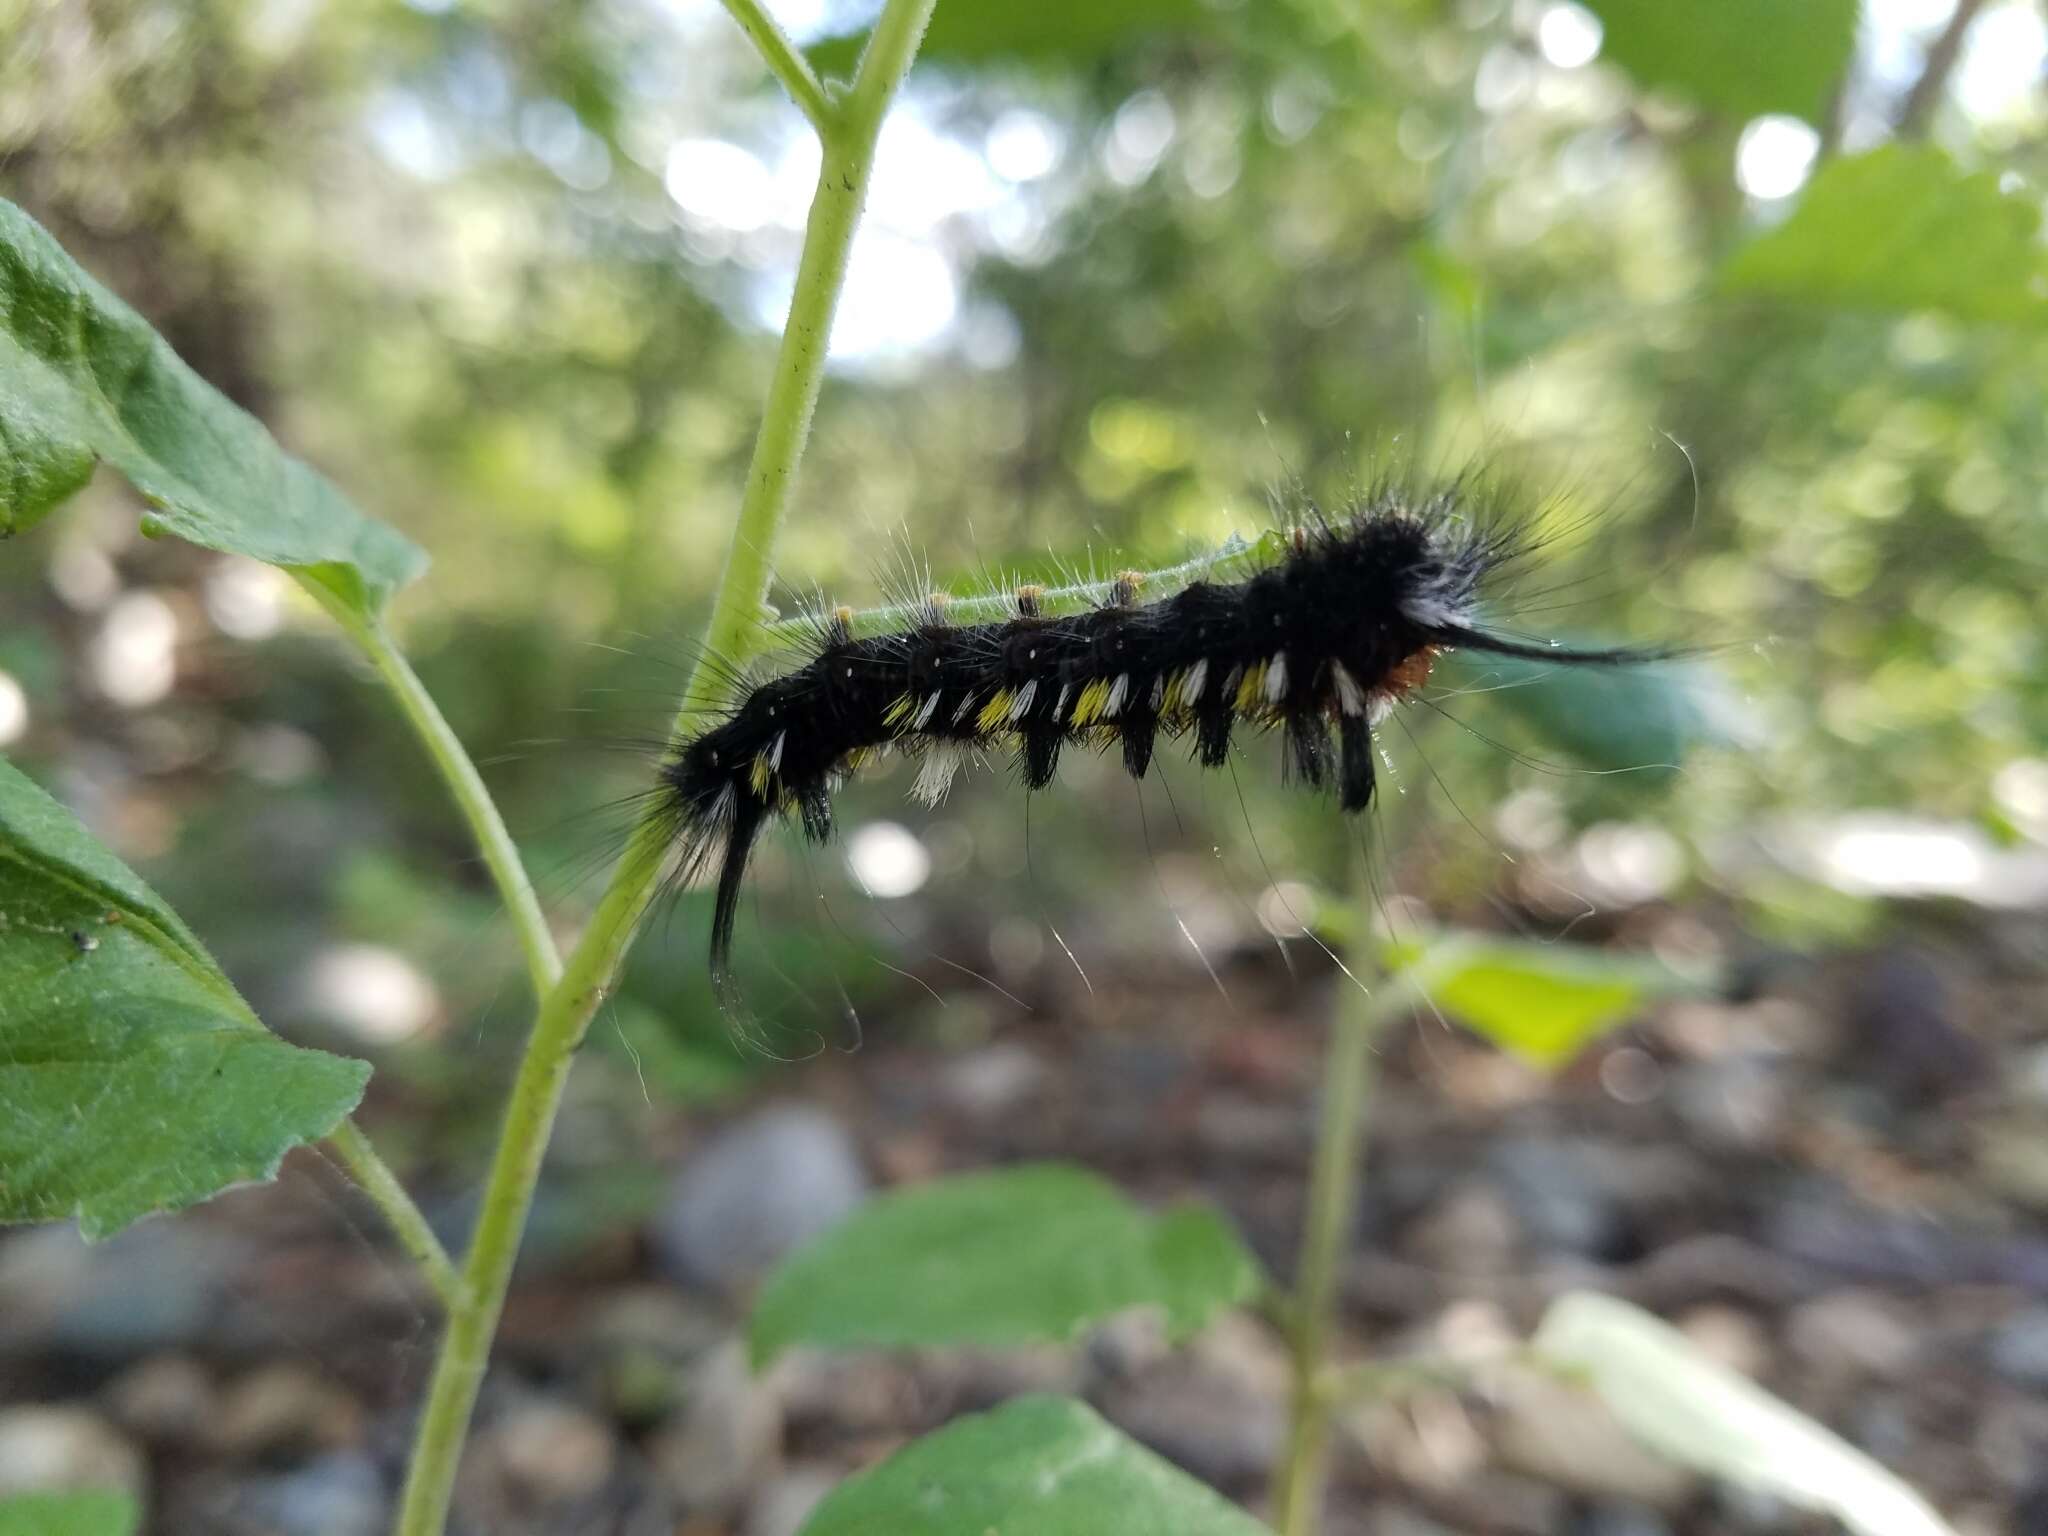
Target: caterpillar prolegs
point(1319, 632)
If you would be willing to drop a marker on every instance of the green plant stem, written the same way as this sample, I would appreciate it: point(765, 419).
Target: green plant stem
point(566, 1010)
point(501, 856)
point(382, 1186)
point(1332, 1201)
point(783, 60)
point(1235, 559)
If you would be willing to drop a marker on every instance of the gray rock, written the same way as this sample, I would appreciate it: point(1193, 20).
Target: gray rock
point(1854, 1333)
point(756, 1191)
point(285, 1408)
point(45, 1446)
point(1471, 1230)
point(338, 1495)
point(1218, 1408)
point(1406, 1520)
point(1751, 1509)
point(167, 1398)
point(638, 1347)
point(1734, 1103)
point(548, 1452)
point(1621, 1517)
point(1203, 1421)
point(157, 1285)
point(1565, 1436)
point(2018, 1349)
point(1566, 1200)
point(725, 1442)
point(993, 1079)
point(781, 1507)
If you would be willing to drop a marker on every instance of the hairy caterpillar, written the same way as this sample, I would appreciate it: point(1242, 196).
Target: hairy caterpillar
point(1325, 627)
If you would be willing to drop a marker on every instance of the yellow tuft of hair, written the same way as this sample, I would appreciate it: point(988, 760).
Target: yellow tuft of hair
point(995, 711)
point(1251, 689)
point(759, 775)
point(1088, 708)
point(898, 710)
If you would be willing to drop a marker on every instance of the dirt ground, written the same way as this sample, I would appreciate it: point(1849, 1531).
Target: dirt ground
point(1835, 1178)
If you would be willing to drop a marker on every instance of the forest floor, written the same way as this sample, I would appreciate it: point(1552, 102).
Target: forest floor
point(1836, 1183)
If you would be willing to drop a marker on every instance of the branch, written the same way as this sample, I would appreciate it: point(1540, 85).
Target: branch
point(478, 809)
point(378, 1182)
point(784, 61)
point(1926, 93)
point(1235, 557)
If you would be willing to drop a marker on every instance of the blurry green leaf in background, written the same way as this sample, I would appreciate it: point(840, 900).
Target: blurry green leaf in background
point(1624, 719)
point(1038, 1466)
point(1682, 1403)
point(1544, 1002)
point(1905, 228)
point(1742, 56)
point(69, 1514)
point(1051, 32)
point(1019, 1256)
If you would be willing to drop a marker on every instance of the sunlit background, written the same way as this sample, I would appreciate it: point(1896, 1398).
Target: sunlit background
point(1129, 281)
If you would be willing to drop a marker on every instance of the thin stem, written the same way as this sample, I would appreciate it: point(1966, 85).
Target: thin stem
point(783, 61)
point(1333, 1181)
point(1236, 557)
point(1918, 107)
point(417, 1238)
point(501, 857)
point(566, 1010)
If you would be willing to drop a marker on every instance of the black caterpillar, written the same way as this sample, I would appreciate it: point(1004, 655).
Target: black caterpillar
point(1320, 644)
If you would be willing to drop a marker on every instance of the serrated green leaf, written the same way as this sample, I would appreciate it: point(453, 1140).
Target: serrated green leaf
point(1544, 1002)
point(133, 1078)
point(1904, 228)
point(69, 1514)
point(1695, 1411)
point(1038, 1466)
point(1018, 1256)
point(1746, 57)
point(83, 379)
point(964, 32)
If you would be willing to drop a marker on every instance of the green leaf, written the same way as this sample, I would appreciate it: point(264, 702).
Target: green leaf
point(83, 379)
point(133, 1078)
point(1695, 1411)
point(1640, 720)
point(69, 1514)
point(1746, 57)
point(972, 33)
point(1038, 1466)
point(1904, 228)
point(1544, 1002)
point(1017, 1256)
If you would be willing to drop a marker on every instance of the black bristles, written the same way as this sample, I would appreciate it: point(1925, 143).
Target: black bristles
point(1354, 770)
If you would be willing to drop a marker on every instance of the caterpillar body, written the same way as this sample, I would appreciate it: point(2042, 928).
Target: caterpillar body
point(1324, 630)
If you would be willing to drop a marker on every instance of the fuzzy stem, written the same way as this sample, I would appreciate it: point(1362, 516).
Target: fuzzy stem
point(501, 856)
point(566, 1010)
point(378, 1182)
point(1235, 558)
point(1347, 1081)
point(783, 61)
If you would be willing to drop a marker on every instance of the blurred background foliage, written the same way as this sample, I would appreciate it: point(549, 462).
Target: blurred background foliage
point(1758, 344)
